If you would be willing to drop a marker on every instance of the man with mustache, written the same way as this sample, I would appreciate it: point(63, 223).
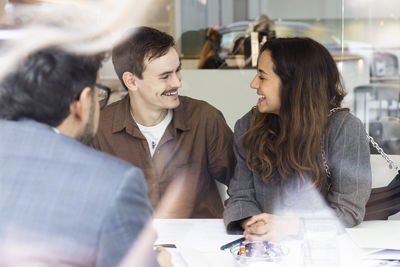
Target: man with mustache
point(175, 140)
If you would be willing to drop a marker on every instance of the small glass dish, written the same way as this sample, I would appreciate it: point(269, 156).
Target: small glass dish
point(259, 252)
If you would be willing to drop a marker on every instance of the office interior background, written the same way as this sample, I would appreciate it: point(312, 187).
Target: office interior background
point(362, 35)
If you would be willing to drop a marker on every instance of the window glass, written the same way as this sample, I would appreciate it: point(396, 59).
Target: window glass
point(362, 36)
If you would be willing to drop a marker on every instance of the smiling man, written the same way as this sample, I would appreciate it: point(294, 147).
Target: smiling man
point(173, 139)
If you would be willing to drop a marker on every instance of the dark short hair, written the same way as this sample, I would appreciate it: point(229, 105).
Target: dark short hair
point(143, 43)
point(44, 85)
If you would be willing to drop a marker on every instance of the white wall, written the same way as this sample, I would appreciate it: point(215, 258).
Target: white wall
point(230, 92)
point(227, 90)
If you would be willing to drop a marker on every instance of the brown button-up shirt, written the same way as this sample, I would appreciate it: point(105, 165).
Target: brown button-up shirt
point(196, 148)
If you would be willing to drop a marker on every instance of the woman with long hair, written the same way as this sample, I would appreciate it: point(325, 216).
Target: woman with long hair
point(298, 140)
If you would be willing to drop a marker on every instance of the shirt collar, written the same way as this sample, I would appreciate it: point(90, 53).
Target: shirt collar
point(180, 119)
point(123, 120)
point(56, 130)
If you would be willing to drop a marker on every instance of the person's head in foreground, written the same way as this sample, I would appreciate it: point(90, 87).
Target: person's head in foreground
point(66, 202)
point(56, 88)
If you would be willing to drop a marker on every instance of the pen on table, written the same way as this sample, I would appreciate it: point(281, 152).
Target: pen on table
point(230, 244)
point(165, 245)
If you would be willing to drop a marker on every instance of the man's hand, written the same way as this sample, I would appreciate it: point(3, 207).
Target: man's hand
point(163, 257)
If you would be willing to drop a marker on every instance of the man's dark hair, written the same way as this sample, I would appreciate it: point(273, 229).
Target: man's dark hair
point(143, 43)
point(45, 84)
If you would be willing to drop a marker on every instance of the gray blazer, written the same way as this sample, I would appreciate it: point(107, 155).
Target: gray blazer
point(347, 151)
point(63, 203)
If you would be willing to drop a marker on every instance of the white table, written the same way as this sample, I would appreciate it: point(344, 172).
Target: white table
point(199, 240)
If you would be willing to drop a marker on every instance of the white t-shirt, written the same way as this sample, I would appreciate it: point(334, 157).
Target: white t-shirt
point(154, 133)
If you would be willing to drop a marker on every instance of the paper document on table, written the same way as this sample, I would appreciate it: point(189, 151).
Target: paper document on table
point(380, 263)
point(384, 254)
point(375, 238)
point(376, 235)
point(167, 229)
point(197, 241)
point(214, 238)
point(176, 258)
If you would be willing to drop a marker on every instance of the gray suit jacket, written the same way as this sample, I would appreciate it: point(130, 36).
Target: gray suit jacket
point(347, 152)
point(63, 203)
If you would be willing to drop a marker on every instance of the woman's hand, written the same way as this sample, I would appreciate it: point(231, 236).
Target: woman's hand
point(270, 227)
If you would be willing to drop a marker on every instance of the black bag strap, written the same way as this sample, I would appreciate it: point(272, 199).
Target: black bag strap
point(384, 201)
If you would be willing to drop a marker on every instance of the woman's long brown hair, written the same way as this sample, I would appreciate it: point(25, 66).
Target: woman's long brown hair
point(289, 144)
